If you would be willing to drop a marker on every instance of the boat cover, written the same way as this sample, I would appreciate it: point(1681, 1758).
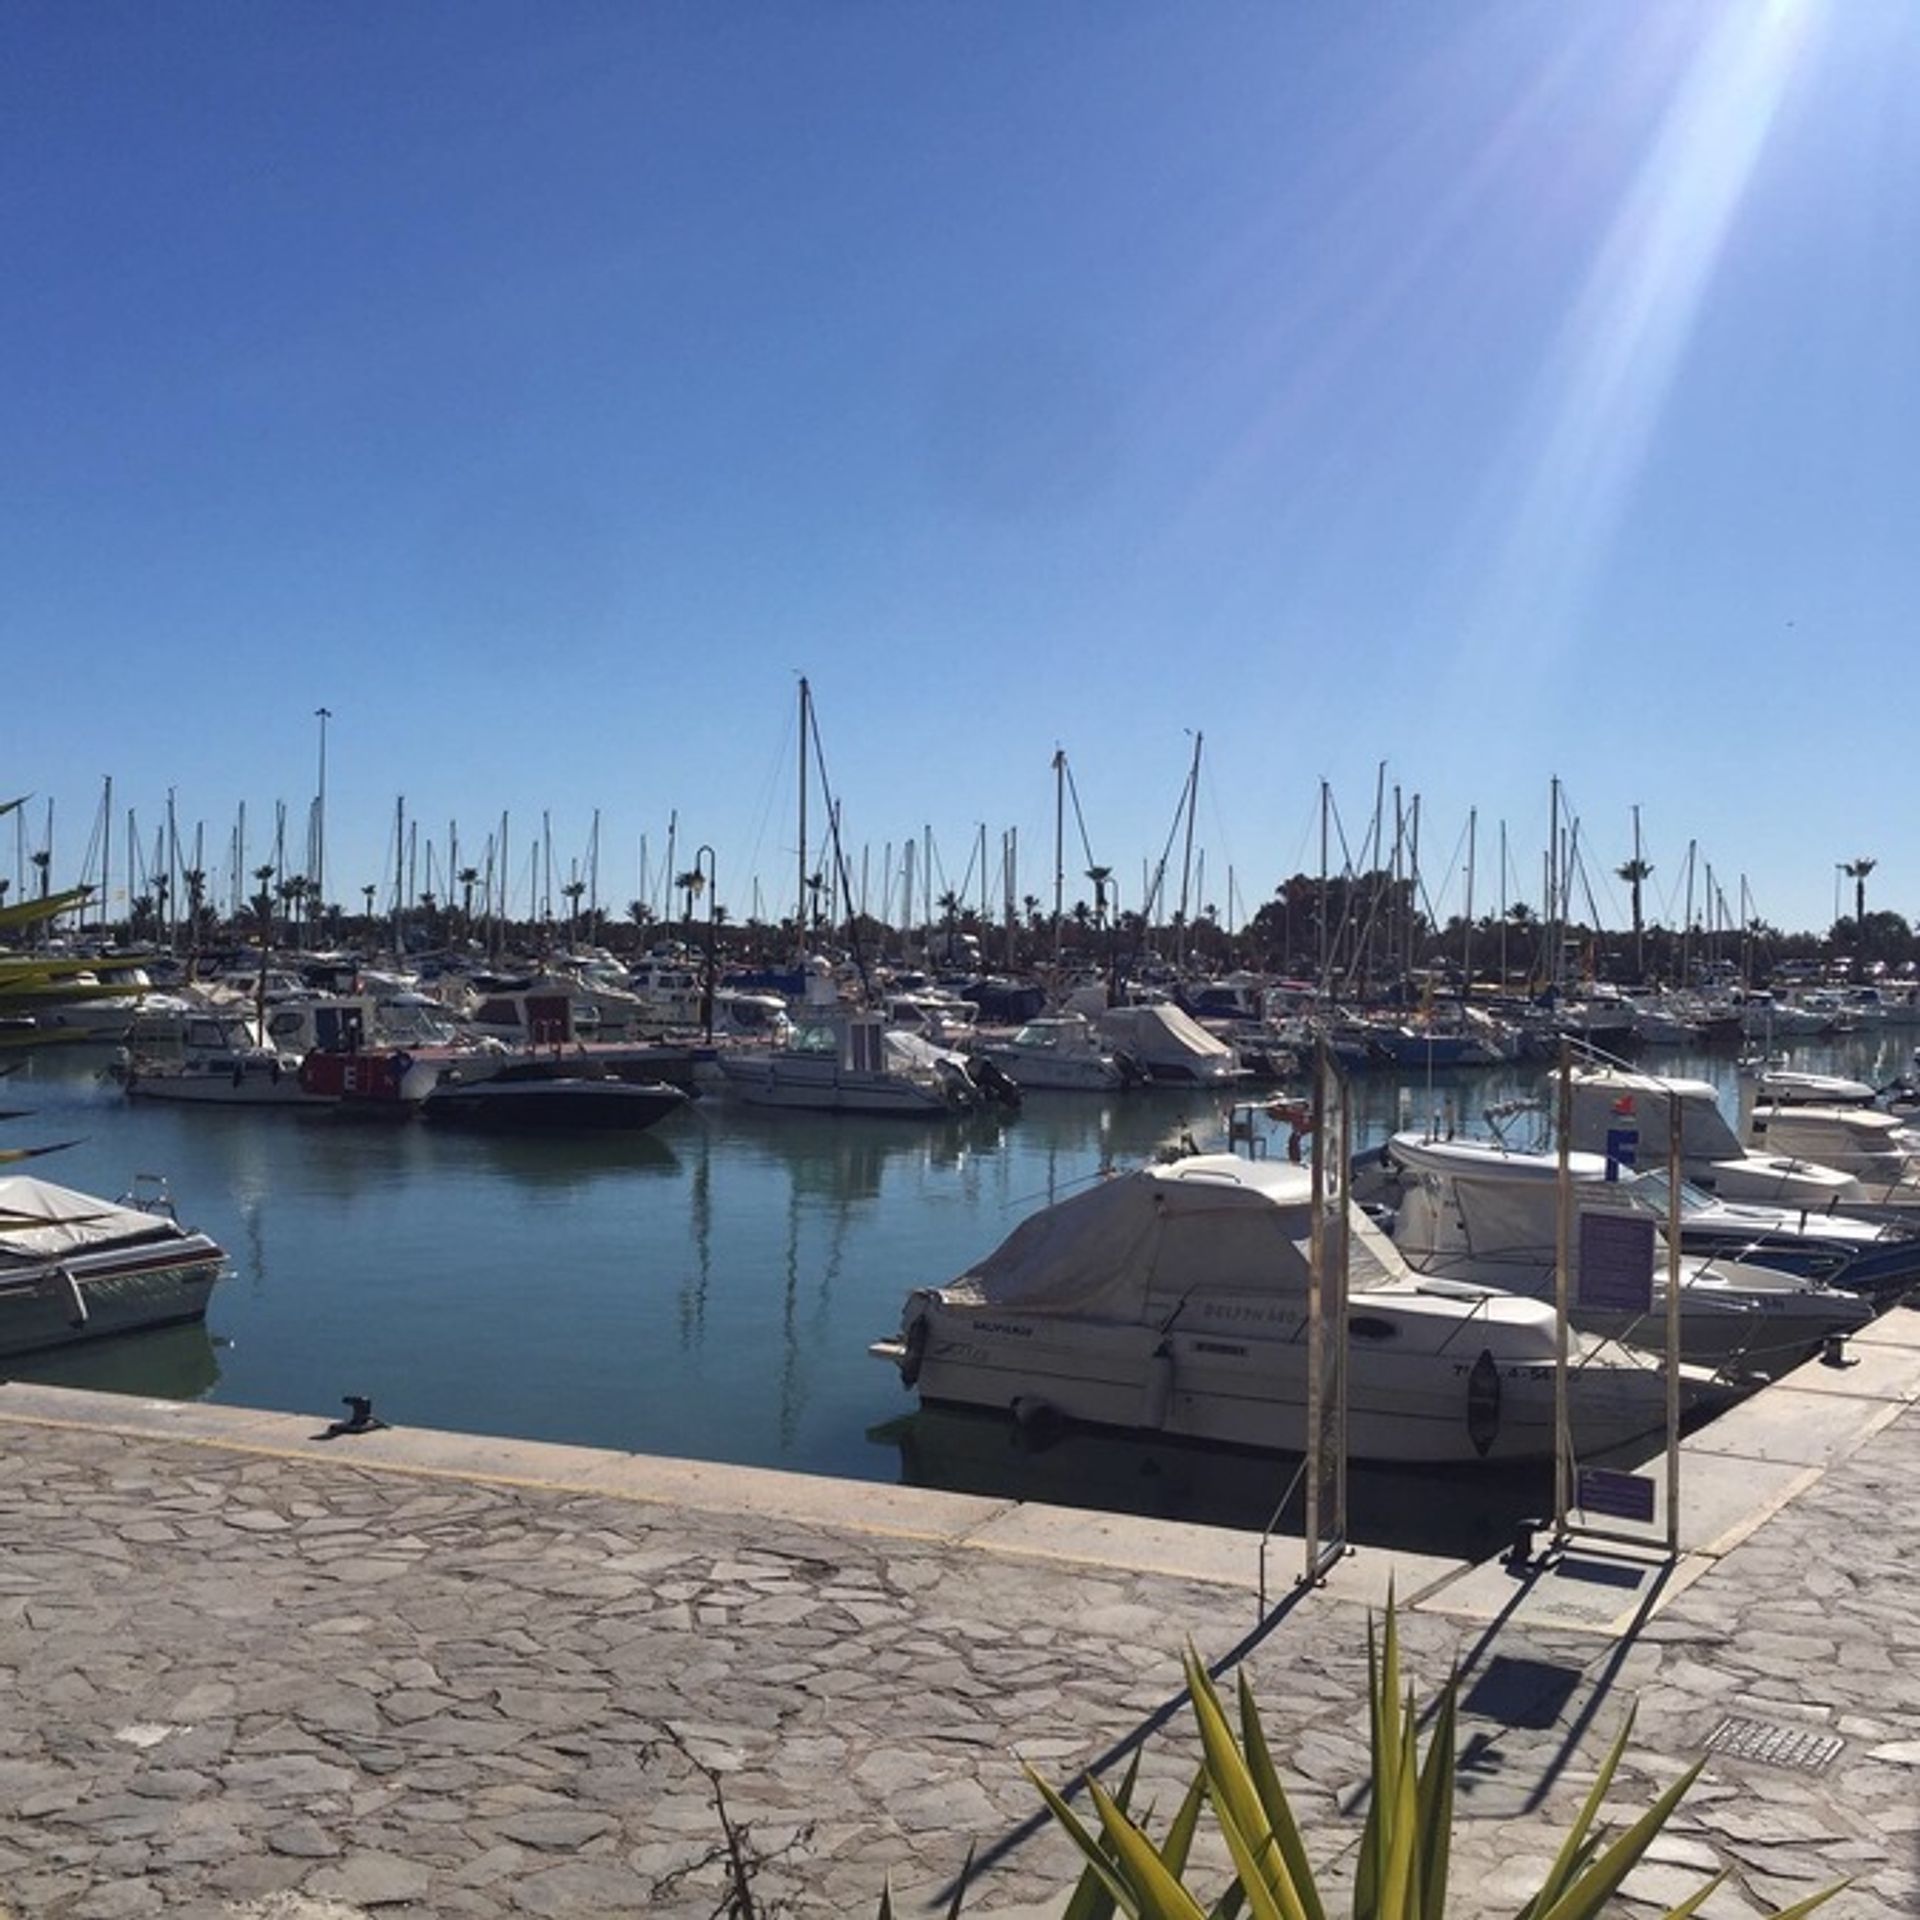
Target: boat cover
point(41, 1221)
point(1211, 1221)
point(1160, 1035)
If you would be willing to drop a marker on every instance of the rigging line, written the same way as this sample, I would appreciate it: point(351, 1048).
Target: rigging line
point(1427, 899)
point(1080, 819)
point(843, 878)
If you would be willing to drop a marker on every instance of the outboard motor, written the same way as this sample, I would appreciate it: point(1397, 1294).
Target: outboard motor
point(994, 1082)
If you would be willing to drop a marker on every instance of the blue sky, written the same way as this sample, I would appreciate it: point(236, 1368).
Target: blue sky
point(1495, 391)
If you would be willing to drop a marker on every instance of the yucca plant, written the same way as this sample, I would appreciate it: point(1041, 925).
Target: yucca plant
point(1401, 1869)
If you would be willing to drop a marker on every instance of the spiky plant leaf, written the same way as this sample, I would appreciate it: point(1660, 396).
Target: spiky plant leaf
point(1236, 1804)
point(1436, 1802)
point(1090, 1899)
point(1601, 1880)
point(1801, 1908)
point(1099, 1860)
point(1178, 1844)
point(1576, 1849)
point(1159, 1893)
point(1273, 1799)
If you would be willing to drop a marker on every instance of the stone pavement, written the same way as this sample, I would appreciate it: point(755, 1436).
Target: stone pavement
point(246, 1673)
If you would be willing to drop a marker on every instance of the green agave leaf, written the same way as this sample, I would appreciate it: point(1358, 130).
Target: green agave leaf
point(1694, 1901)
point(1436, 1799)
point(1598, 1884)
point(1806, 1906)
point(1400, 1827)
point(1161, 1896)
point(26, 913)
point(1099, 1861)
point(1237, 1806)
point(1228, 1906)
point(1186, 1823)
point(1576, 1849)
point(1274, 1802)
point(1090, 1899)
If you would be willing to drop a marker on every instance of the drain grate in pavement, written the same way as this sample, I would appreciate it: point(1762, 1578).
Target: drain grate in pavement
point(1773, 1746)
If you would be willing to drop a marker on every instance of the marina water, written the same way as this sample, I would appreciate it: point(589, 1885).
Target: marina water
point(706, 1289)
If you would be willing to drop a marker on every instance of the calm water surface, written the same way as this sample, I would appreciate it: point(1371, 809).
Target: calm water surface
point(706, 1289)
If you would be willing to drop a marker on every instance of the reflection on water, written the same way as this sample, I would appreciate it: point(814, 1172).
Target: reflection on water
point(707, 1288)
point(1469, 1512)
point(170, 1363)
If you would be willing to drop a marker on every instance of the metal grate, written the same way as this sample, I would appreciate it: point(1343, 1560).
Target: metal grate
point(1796, 1747)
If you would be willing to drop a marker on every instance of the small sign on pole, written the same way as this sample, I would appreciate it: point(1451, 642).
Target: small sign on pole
point(1616, 1262)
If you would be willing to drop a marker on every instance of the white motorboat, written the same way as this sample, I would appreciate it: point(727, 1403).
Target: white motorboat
point(1611, 1102)
point(1481, 1211)
point(1176, 1300)
point(223, 1061)
point(1788, 1087)
point(838, 1061)
point(1879, 1152)
point(73, 1267)
point(1169, 1046)
point(1057, 1052)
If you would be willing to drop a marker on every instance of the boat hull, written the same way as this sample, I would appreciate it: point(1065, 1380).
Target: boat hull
point(97, 1297)
point(1461, 1406)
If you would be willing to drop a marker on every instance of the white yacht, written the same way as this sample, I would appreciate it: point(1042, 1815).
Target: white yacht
point(1175, 1300)
point(223, 1060)
point(73, 1267)
point(839, 1061)
point(1609, 1101)
point(1479, 1210)
point(1058, 1052)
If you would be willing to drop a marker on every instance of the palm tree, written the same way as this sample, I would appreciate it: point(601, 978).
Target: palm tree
point(573, 890)
point(196, 879)
point(1856, 871)
point(949, 905)
point(1100, 876)
point(692, 883)
point(263, 906)
point(1633, 873)
point(366, 893)
point(469, 878)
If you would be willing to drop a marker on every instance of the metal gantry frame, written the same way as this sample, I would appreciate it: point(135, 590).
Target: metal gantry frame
point(1566, 1465)
point(1326, 1451)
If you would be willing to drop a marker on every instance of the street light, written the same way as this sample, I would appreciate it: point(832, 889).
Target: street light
point(706, 977)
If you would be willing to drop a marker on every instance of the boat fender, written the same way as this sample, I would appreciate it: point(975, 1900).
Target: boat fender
point(239, 1071)
point(1483, 1403)
point(1038, 1421)
point(1157, 1400)
point(914, 1350)
point(402, 1066)
point(77, 1315)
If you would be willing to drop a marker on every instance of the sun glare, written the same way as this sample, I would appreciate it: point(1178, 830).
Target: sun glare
point(1585, 435)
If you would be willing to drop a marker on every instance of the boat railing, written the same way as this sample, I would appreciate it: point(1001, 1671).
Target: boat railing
point(150, 1193)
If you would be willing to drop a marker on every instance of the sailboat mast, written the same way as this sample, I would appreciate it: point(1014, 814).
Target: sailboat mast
point(806, 723)
point(1186, 856)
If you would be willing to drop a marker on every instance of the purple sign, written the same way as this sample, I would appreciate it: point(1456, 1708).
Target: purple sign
point(1620, 1496)
point(1616, 1262)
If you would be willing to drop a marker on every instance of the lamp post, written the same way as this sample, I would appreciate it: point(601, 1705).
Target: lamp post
point(700, 854)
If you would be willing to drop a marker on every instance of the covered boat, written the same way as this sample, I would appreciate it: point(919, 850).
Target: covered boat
point(73, 1267)
point(1169, 1046)
point(1176, 1300)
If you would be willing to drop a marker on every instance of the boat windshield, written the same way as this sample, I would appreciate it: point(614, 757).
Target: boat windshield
point(1657, 1192)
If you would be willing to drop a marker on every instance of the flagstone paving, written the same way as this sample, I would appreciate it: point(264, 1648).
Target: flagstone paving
point(292, 1684)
